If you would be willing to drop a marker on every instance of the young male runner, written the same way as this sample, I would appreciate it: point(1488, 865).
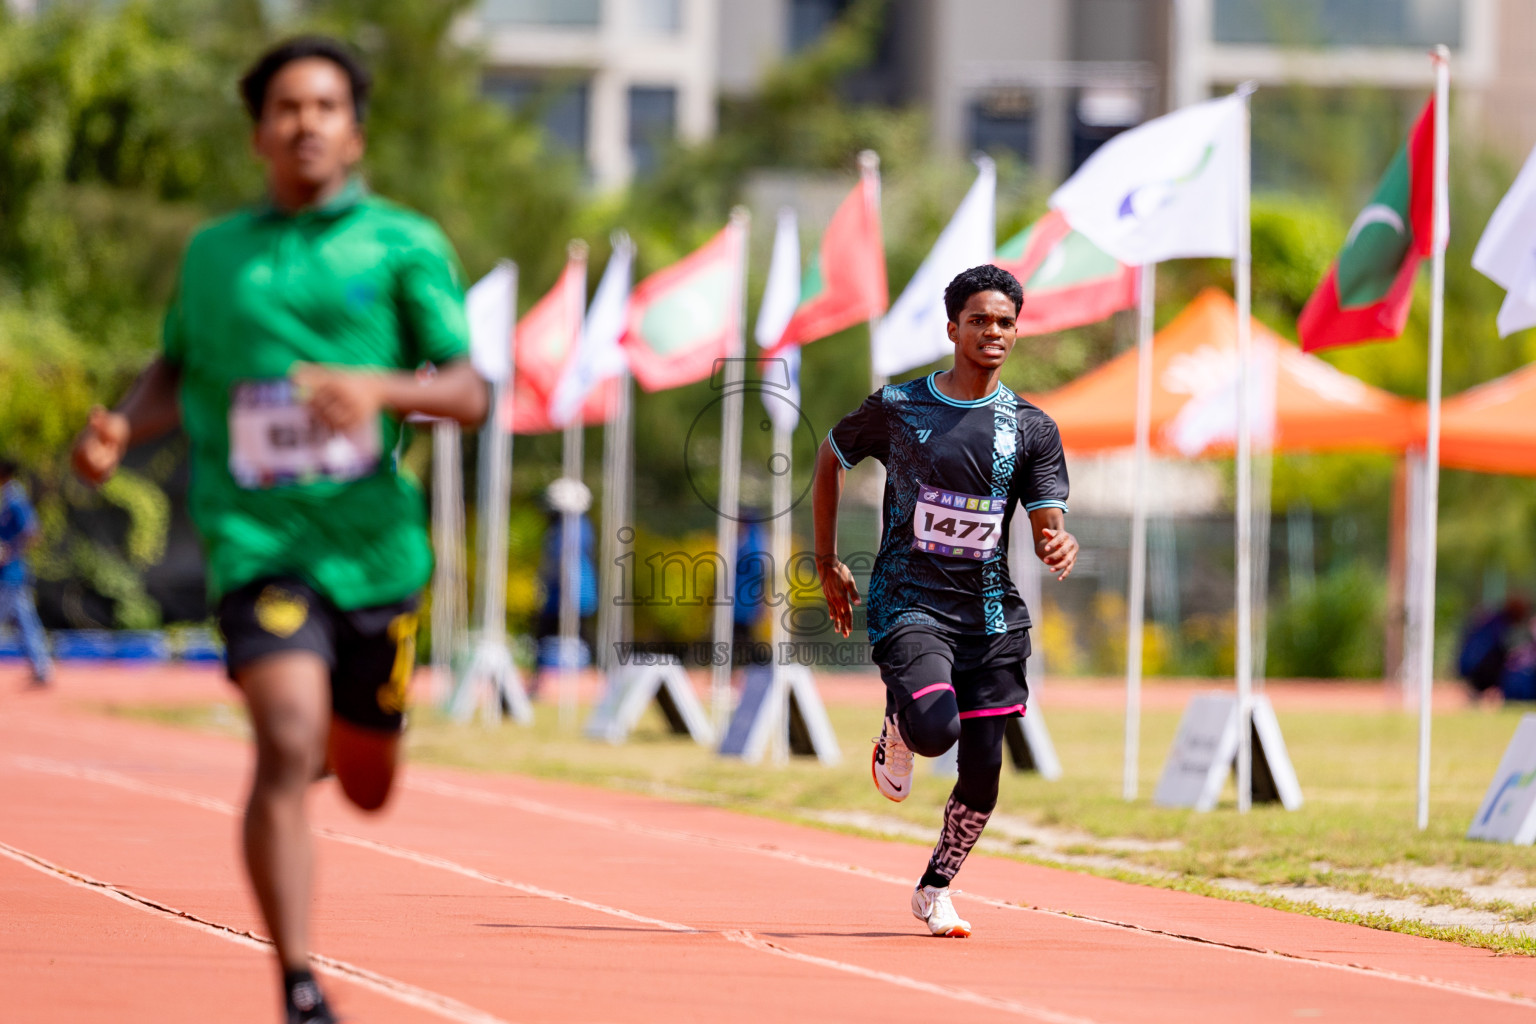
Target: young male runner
point(291, 357)
point(949, 629)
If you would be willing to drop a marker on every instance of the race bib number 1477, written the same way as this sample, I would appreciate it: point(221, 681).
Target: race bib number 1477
point(960, 525)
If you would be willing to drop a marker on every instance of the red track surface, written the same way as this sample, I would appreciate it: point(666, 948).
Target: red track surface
point(492, 898)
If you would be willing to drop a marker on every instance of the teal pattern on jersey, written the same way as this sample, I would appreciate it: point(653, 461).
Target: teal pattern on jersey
point(1005, 447)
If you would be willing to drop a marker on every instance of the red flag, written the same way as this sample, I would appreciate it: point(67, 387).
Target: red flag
point(845, 281)
point(1068, 281)
point(684, 317)
point(1369, 288)
point(546, 341)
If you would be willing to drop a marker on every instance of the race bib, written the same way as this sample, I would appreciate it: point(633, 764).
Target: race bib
point(274, 440)
point(962, 525)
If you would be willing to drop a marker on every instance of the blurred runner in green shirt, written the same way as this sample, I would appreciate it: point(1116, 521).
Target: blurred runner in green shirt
point(304, 331)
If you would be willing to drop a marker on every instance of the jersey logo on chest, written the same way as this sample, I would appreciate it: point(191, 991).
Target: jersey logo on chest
point(923, 435)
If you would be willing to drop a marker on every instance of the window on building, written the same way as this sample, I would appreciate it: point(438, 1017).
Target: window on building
point(558, 13)
point(559, 106)
point(652, 124)
point(1004, 120)
point(1338, 22)
point(1099, 113)
point(660, 16)
point(809, 19)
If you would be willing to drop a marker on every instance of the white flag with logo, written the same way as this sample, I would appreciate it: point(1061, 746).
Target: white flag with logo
point(598, 356)
point(1507, 251)
point(1164, 190)
point(781, 296)
point(913, 332)
point(489, 307)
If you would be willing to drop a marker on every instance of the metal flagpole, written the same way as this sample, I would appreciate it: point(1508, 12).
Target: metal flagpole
point(448, 590)
point(869, 163)
point(730, 483)
point(1138, 582)
point(783, 447)
point(610, 621)
point(1426, 638)
point(1242, 285)
point(570, 521)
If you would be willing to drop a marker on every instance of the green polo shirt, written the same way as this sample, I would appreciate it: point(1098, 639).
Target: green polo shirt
point(356, 282)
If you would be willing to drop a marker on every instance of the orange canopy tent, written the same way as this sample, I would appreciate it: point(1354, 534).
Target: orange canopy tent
point(1490, 428)
point(1317, 407)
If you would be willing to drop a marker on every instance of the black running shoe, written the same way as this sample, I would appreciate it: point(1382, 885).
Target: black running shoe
point(306, 1003)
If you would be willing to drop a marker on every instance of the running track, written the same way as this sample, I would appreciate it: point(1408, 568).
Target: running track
point(481, 899)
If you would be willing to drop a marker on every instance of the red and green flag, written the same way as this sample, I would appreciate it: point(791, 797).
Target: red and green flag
point(684, 317)
point(844, 284)
point(1369, 288)
point(545, 343)
point(1068, 281)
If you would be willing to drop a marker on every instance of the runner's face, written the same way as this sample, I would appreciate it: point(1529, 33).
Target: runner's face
point(308, 133)
point(986, 330)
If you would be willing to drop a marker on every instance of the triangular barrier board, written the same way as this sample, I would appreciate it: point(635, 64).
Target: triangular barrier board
point(1027, 743)
point(1508, 811)
point(1204, 752)
point(751, 727)
point(631, 691)
point(491, 685)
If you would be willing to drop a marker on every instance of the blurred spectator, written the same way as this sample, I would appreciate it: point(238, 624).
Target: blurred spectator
point(754, 588)
point(1487, 643)
point(18, 532)
point(548, 633)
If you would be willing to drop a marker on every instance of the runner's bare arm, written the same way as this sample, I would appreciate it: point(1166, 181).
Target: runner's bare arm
point(1056, 547)
point(343, 398)
point(149, 410)
point(836, 579)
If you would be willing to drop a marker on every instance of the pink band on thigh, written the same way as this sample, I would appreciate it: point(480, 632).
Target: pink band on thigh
point(990, 712)
point(933, 688)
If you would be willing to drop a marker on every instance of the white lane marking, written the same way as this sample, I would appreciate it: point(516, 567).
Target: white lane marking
point(401, 992)
point(751, 941)
point(449, 789)
point(531, 806)
point(740, 937)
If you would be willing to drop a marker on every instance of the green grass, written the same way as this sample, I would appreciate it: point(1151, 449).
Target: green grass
point(1357, 772)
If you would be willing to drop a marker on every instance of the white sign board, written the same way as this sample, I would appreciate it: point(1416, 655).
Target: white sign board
point(1205, 751)
point(633, 690)
point(809, 729)
point(1508, 812)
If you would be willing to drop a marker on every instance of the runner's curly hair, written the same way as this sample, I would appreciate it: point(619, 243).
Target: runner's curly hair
point(253, 87)
point(985, 278)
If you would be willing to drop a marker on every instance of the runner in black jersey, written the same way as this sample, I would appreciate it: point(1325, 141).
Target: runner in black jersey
point(962, 452)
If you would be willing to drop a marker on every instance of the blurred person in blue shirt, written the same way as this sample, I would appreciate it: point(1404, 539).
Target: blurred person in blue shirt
point(18, 532)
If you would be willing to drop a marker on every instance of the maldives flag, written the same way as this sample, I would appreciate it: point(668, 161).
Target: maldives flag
point(1068, 281)
point(1369, 288)
point(844, 284)
point(684, 317)
point(545, 343)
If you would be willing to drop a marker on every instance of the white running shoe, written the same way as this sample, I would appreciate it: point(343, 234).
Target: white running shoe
point(891, 764)
point(932, 905)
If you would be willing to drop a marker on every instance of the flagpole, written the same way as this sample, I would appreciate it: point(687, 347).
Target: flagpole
point(783, 446)
point(570, 520)
point(730, 483)
point(869, 164)
point(1241, 272)
point(610, 624)
point(1426, 637)
point(1138, 581)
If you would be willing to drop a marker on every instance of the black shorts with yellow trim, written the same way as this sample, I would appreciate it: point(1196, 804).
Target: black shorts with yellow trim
point(986, 672)
point(371, 651)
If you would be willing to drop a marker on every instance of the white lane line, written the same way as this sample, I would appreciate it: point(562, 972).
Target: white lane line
point(401, 992)
point(97, 775)
point(531, 806)
point(904, 981)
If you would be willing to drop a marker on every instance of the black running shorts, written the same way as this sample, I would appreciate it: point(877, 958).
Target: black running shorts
point(371, 651)
point(985, 672)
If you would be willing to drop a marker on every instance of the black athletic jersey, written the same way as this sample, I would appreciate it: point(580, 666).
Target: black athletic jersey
point(955, 472)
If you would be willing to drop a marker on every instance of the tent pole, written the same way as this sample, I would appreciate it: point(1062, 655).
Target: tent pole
point(1242, 285)
point(1137, 598)
point(1426, 596)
